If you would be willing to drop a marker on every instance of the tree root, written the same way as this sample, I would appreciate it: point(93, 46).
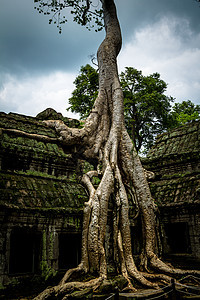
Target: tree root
point(162, 267)
point(78, 270)
point(62, 291)
point(157, 277)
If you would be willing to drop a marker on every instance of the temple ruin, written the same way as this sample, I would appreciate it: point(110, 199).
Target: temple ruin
point(41, 198)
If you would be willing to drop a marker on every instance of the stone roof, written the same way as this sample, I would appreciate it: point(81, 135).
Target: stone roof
point(175, 160)
point(184, 140)
point(36, 174)
point(18, 190)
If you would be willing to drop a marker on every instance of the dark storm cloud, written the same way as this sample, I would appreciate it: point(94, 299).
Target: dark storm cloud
point(29, 43)
point(136, 13)
point(38, 65)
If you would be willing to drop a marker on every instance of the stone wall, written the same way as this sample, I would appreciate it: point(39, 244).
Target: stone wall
point(41, 198)
point(19, 153)
point(30, 242)
point(175, 160)
point(41, 201)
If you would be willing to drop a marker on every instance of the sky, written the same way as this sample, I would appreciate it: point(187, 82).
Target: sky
point(38, 65)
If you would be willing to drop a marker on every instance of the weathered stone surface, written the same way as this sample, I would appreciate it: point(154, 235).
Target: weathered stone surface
point(41, 200)
point(181, 141)
point(175, 160)
point(40, 192)
point(26, 153)
point(51, 114)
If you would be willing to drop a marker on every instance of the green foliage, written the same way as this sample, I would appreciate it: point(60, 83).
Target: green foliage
point(146, 107)
point(185, 112)
point(86, 167)
point(82, 11)
point(148, 111)
point(73, 177)
point(96, 180)
point(85, 92)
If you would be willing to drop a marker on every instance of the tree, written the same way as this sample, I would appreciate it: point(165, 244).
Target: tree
point(147, 110)
point(86, 91)
point(104, 139)
point(185, 112)
point(146, 107)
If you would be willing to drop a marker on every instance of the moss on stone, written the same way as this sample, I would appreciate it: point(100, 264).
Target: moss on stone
point(180, 140)
point(51, 114)
point(46, 270)
point(175, 161)
point(24, 190)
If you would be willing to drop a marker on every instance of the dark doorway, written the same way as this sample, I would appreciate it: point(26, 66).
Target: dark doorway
point(14, 162)
point(136, 239)
point(178, 237)
point(25, 245)
point(69, 250)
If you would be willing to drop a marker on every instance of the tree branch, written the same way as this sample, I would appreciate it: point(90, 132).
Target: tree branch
point(85, 11)
point(39, 137)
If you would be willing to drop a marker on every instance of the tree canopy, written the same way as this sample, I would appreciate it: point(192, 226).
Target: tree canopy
point(83, 12)
point(185, 112)
point(86, 91)
point(146, 107)
point(148, 111)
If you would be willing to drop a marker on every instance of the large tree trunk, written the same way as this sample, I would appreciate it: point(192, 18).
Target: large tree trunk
point(105, 139)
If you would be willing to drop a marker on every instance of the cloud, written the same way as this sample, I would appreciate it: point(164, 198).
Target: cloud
point(30, 44)
point(39, 78)
point(171, 48)
point(31, 95)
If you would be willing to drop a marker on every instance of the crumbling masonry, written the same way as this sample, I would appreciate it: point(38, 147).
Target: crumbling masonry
point(41, 197)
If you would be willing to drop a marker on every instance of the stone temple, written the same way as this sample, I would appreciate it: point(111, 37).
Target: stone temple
point(41, 198)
